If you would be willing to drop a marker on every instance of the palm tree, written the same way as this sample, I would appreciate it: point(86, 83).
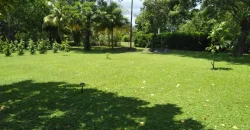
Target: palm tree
point(112, 18)
point(54, 23)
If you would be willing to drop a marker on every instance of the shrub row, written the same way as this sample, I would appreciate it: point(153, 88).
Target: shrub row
point(176, 41)
point(42, 46)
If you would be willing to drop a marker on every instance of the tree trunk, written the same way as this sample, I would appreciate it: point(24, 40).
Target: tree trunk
point(87, 37)
point(240, 47)
point(112, 37)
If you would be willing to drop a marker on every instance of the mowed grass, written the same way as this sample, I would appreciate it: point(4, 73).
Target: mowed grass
point(131, 90)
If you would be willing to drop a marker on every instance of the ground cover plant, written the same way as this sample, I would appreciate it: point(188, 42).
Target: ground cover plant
point(128, 90)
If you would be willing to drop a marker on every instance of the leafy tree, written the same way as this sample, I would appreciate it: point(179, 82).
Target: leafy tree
point(164, 14)
point(22, 19)
point(111, 17)
point(240, 12)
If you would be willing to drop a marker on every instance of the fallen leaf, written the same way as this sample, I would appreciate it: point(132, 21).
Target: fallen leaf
point(178, 85)
point(152, 94)
point(144, 81)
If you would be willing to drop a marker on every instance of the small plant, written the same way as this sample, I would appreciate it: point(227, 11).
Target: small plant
point(7, 49)
point(42, 48)
point(48, 44)
point(20, 48)
point(12, 47)
point(55, 47)
point(107, 55)
point(217, 40)
point(66, 46)
point(15, 45)
point(213, 48)
point(32, 47)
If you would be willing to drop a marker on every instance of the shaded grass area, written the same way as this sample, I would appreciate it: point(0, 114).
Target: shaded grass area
point(59, 105)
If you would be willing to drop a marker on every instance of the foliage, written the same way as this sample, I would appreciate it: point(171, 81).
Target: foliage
point(7, 49)
point(126, 38)
point(239, 12)
point(12, 47)
point(32, 47)
point(55, 47)
point(20, 48)
point(42, 47)
point(143, 40)
point(176, 41)
point(66, 46)
point(22, 19)
point(164, 14)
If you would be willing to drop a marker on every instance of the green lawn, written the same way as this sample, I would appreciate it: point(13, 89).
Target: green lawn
point(131, 90)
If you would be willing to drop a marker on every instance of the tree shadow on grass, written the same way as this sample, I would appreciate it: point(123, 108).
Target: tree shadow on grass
point(103, 49)
point(222, 68)
point(243, 60)
point(58, 105)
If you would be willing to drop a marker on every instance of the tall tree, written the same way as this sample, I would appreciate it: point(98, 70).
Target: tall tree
point(240, 12)
point(111, 17)
point(22, 19)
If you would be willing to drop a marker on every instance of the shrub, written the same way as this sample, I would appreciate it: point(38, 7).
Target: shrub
point(143, 40)
point(177, 41)
point(7, 49)
point(42, 48)
point(48, 44)
point(12, 47)
point(15, 45)
point(32, 47)
point(20, 48)
point(66, 46)
point(55, 47)
point(126, 38)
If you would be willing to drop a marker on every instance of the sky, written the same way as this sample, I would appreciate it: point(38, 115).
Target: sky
point(126, 7)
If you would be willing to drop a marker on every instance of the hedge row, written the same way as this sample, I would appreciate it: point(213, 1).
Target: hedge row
point(176, 41)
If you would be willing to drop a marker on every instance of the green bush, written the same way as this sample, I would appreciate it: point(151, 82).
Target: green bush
point(15, 45)
point(7, 48)
point(176, 41)
point(143, 40)
point(126, 38)
point(55, 47)
point(65, 46)
point(32, 47)
point(42, 47)
point(20, 48)
point(12, 47)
